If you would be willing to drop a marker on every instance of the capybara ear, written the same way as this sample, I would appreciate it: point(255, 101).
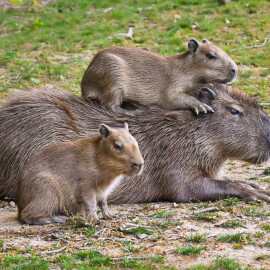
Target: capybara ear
point(105, 131)
point(193, 45)
point(207, 95)
point(205, 41)
point(126, 126)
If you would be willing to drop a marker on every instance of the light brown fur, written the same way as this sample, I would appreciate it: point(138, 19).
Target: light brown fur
point(118, 74)
point(68, 177)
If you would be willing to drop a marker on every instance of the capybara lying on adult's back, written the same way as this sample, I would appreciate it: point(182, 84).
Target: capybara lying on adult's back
point(117, 74)
point(183, 152)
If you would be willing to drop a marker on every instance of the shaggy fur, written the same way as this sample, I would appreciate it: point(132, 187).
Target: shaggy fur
point(117, 74)
point(184, 153)
point(68, 177)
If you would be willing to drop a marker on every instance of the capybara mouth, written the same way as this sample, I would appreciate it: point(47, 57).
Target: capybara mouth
point(135, 171)
point(264, 157)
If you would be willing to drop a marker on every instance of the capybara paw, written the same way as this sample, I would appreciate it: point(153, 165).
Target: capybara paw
point(93, 216)
point(59, 219)
point(255, 193)
point(200, 107)
point(38, 221)
point(108, 216)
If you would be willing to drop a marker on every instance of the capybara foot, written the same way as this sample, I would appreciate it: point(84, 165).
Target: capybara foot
point(38, 221)
point(93, 216)
point(108, 216)
point(199, 107)
point(59, 219)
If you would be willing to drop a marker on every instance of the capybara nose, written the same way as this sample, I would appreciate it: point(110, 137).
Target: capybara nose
point(233, 72)
point(137, 165)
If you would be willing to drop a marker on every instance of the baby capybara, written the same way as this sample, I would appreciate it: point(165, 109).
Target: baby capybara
point(68, 177)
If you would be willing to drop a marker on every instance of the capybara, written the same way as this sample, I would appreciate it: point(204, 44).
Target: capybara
point(117, 74)
point(71, 177)
point(184, 153)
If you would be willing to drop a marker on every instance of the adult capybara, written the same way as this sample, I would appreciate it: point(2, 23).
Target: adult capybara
point(183, 152)
point(68, 178)
point(118, 74)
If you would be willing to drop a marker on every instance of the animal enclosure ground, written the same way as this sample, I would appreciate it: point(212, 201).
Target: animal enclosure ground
point(235, 235)
point(53, 43)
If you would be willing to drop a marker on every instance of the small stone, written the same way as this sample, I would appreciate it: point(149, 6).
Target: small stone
point(142, 236)
point(12, 204)
point(107, 10)
point(175, 204)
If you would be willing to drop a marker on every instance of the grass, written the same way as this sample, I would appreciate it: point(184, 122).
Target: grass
point(163, 214)
point(85, 259)
point(239, 238)
point(266, 226)
point(267, 171)
point(220, 264)
point(197, 238)
point(189, 250)
point(139, 230)
point(232, 224)
point(208, 216)
point(53, 44)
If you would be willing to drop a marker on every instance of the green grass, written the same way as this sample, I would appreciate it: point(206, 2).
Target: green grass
point(189, 250)
point(267, 171)
point(163, 214)
point(52, 44)
point(232, 224)
point(85, 259)
point(197, 238)
point(208, 216)
point(266, 226)
point(139, 230)
point(220, 264)
point(239, 238)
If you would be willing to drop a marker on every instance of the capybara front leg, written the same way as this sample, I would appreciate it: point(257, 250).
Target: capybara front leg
point(104, 208)
point(207, 189)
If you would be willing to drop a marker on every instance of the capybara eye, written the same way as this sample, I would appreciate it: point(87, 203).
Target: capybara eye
point(210, 56)
point(234, 111)
point(117, 147)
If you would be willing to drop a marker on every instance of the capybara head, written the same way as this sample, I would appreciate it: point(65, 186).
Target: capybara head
point(210, 63)
point(239, 127)
point(121, 150)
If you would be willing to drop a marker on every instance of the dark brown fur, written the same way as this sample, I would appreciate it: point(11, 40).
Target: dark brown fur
point(68, 177)
point(184, 153)
point(117, 74)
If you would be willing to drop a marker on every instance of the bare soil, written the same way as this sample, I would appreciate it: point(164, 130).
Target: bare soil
point(110, 236)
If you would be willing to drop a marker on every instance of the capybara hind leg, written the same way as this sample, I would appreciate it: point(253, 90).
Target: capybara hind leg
point(59, 219)
point(38, 221)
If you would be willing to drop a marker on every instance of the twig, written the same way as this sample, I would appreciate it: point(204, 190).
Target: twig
point(264, 104)
point(50, 252)
point(254, 46)
point(135, 258)
point(54, 236)
point(209, 209)
point(257, 46)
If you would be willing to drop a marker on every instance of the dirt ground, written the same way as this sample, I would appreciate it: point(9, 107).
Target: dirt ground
point(170, 225)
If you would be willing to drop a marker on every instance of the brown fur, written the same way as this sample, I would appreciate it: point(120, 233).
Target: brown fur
point(66, 177)
point(118, 74)
point(183, 153)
